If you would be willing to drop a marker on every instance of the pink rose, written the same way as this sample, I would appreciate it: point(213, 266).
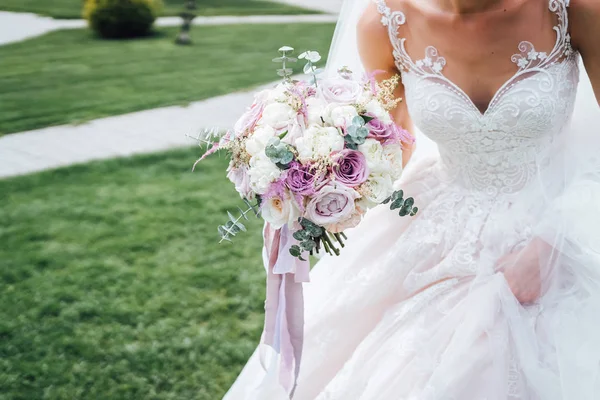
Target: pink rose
point(342, 91)
point(331, 205)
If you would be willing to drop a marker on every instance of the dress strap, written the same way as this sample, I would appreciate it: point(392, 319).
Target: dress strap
point(392, 20)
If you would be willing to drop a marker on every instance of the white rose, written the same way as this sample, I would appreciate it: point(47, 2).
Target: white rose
point(319, 142)
point(339, 115)
point(262, 173)
point(279, 211)
point(277, 115)
point(378, 188)
point(393, 153)
point(376, 159)
point(316, 109)
point(257, 142)
point(375, 108)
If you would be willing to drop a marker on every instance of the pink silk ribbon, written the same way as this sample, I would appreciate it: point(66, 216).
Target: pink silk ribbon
point(284, 305)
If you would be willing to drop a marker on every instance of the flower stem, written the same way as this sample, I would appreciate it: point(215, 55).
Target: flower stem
point(327, 240)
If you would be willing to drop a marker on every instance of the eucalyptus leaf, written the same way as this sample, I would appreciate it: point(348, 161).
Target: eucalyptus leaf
point(358, 120)
point(309, 245)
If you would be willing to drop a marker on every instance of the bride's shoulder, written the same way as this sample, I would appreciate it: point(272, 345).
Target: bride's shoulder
point(584, 17)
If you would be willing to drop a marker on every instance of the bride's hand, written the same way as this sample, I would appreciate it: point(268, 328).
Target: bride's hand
point(522, 272)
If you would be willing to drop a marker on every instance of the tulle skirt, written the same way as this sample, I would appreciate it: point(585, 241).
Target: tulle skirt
point(417, 307)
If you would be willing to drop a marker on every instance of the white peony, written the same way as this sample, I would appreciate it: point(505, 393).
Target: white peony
point(279, 211)
point(393, 153)
point(376, 159)
point(262, 173)
point(339, 115)
point(257, 142)
point(277, 115)
point(319, 142)
point(278, 94)
point(376, 109)
point(316, 109)
point(378, 188)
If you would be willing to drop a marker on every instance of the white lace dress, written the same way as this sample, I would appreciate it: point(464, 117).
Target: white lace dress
point(414, 309)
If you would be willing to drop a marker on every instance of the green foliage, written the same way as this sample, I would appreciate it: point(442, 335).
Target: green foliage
point(118, 19)
point(280, 153)
point(356, 133)
point(113, 285)
point(71, 77)
point(71, 9)
point(405, 206)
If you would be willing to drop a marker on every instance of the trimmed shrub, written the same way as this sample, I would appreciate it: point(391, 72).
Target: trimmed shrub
point(115, 19)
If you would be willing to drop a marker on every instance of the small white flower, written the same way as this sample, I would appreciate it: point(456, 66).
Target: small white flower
point(319, 142)
point(542, 55)
point(262, 173)
point(286, 48)
point(522, 63)
point(437, 67)
point(419, 63)
point(532, 55)
point(427, 61)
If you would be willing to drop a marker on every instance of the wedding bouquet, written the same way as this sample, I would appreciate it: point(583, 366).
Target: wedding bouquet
point(316, 155)
point(310, 158)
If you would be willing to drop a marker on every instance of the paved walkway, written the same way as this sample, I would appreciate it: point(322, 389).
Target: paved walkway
point(141, 132)
point(15, 27)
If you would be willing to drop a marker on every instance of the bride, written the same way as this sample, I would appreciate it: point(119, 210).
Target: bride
point(492, 292)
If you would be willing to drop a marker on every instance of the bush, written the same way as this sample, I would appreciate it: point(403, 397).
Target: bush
point(121, 18)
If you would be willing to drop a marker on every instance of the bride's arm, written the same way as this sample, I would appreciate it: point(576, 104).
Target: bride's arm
point(376, 53)
point(584, 17)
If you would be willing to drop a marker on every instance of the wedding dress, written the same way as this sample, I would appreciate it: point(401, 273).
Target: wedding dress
point(416, 308)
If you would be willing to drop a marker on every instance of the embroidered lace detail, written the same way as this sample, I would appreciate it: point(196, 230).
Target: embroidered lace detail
point(499, 150)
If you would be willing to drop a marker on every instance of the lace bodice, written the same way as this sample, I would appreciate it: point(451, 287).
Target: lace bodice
point(499, 150)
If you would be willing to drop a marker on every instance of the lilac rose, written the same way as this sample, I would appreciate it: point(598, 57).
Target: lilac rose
point(340, 91)
point(332, 204)
point(304, 179)
point(351, 168)
point(381, 131)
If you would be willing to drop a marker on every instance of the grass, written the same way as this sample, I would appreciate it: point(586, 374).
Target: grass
point(113, 284)
point(71, 9)
point(71, 77)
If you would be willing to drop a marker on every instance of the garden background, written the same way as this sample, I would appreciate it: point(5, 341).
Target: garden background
point(112, 281)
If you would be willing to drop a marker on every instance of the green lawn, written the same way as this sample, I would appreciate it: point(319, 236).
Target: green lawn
point(113, 284)
point(72, 8)
point(70, 76)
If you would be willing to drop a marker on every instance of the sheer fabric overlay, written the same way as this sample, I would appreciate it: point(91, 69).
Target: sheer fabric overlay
point(420, 308)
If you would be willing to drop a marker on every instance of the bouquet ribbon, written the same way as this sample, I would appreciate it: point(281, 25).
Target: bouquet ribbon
point(284, 305)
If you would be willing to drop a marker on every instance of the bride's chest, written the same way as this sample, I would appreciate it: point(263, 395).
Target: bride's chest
point(535, 104)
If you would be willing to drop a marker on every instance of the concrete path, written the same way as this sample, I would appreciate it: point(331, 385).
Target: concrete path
point(141, 132)
point(329, 6)
point(16, 27)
